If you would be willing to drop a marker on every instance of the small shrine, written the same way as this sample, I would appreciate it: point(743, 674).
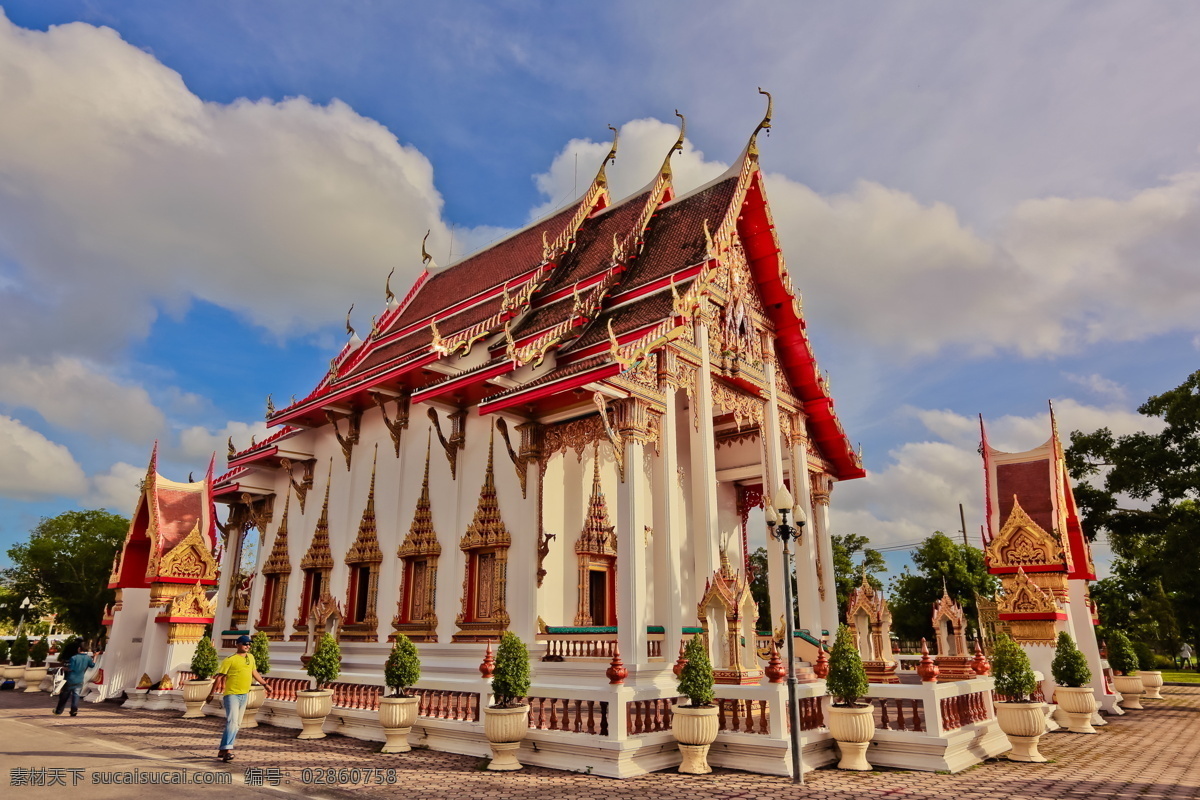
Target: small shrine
point(950, 627)
point(870, 621)
point(727, 612)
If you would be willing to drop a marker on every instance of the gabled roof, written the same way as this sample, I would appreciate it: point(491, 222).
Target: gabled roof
point(559, 284)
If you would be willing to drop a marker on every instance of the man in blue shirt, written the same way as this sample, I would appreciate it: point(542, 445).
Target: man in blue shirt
point(76, 667)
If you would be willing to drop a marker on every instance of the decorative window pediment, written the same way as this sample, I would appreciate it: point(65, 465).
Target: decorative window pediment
point(1023, 543)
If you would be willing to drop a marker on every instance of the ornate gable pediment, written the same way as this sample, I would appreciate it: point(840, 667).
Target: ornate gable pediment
point(1023, 543)
point(319, 556)
point(278, 562)
point(422, 539)
point(190, 559)
point(870, 600)
point(598, 536)
point(946, 609)
point(193, 604)
point(365, 549)
point(1022, 596)
point(487, 527)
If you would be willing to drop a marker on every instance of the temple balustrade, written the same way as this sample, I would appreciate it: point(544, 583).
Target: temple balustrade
point(598, 642)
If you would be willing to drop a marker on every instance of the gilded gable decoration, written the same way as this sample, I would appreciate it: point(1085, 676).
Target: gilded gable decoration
point(596, 549)
point(278, 562)
point(870, 621)
point(1024, 543)
point(950, 627)
point(1022, 596)
point(319, 556)
point(189, 560)
point(457, 439)
point(187, 615)
point(303, 485)
point(416, 615)
point(395, 426)
point(366, 544)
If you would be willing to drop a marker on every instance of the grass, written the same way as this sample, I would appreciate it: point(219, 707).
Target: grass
point(1180, 677)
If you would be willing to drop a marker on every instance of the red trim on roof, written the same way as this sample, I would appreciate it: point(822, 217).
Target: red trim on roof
point(458, 381)
point(564, 384)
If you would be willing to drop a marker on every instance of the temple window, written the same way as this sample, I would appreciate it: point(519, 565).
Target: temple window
point(363, 559)
point(419, 553)
point(484, 614)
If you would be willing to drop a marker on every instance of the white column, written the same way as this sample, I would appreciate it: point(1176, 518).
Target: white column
point(520, 516)
point(669, 530)
point(829, 609)
point(705, 527)
point(772, 477)
point(808, 593)
point(633, 498)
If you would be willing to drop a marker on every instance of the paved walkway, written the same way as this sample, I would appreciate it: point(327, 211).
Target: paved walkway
point(1148, 755)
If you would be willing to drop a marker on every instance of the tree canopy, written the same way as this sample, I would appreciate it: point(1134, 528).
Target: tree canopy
point(1143, 490)
point(913, 593)
point(64, 567)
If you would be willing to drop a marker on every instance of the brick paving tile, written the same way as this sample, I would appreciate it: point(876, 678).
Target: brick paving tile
point(1148, 755)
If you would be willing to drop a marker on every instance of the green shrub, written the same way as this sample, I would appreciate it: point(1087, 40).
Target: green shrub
point(204, 661)
point(3, 651)
point(403, 667)
point(510, 681)
point(847, 680)
point(1012, 671)
point(326, 662)
point(1145, 656)
point(40, 652)
point(1069, 667)
point(696, 677)
point(19, 652)
point(1164, 662)
point(260, 648)
point(1121, 655)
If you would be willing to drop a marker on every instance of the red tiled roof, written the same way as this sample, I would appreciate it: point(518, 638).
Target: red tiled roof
point(644, 311)
point(593, 249)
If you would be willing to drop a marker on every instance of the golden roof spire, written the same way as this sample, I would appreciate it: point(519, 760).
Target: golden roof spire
point(597, 536)
point(602, 175)
point(349, 327)
point(426, 259)
point(487, 527)
point(677, 147)
point(388, 294)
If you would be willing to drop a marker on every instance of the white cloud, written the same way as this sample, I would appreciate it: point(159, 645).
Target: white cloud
point(199, 443)
point(1099, 385)
point(75, 394)
point(121, 191)
point(117, 489)
point(643, 146)
point(919, 490)
point(33, 467)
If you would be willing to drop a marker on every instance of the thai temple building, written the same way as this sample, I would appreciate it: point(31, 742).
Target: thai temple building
point(563, 436)
point(1034, 543)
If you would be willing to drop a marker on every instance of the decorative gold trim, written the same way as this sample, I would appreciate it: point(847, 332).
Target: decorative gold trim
point(457, 439)
point(486, 534)
point(353, 424)
point(395, 427)
point(1022, 542)
point(302, 486)
point(190, 559)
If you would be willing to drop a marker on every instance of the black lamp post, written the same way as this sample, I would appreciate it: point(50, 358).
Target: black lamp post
point(25, 604)
point(781, 530)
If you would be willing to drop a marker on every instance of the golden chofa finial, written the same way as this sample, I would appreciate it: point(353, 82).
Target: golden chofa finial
point(765, 125)
point(349, 327)
point(612, 151)
point(426, 259)
point(270, 406)
point(678, 146)
point(388, 294)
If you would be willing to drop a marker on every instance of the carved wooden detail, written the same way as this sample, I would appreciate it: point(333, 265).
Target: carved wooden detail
point(395, 426)
point(484, 614)
point(457, 439)
point(305, 483)
point(350, 438)
point(416, 614)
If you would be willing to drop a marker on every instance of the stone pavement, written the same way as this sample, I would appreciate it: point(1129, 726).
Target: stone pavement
point(1147, 755)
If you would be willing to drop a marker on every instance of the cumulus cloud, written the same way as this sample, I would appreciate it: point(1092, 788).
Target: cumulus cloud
point(1098, 385)
point(122, 192)
point(199, 443)
point(116, 489)
point(919, 489)
point(33, 467)
point(75, 394)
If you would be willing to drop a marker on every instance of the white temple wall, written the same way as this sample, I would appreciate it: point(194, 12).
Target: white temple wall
point(668, 525)
point(729, 530)
point(397, 487)
point(808, 593)
point(689, 574)
point(520, 516)
point(559, 582)
point(123, 653)
point(1085, 639)
point(452, 506)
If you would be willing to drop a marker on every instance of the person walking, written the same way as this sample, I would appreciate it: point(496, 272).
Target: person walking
point(1185, 656)
point(239, 670)
point(77, 664)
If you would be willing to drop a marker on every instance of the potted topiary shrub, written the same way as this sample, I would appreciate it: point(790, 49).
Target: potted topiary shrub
point(197, 689)
point(1150, 677)
point(398, 711)
point(1123, 659)
point(695, 725)
point(1074, 696)
point(1021, 718)
point(313, 705)
point(506, 721)
point(36, 670)
point(3, 652)
point(851, 723)
point(18, 654)
point(260, 648)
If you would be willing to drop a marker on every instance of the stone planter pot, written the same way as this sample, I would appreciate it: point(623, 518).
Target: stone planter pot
point(695, 729)
point(194, 694)
point(1151, 682)
point(1023, 724)
point(1078, 704)
point(397, 715)
point(504, 729)
point(1131, 689)
point(313, 706)
point(257, 696)
point(33, 678)
point(852, 728)
point(13, 672)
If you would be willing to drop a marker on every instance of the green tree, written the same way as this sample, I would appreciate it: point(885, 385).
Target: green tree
point(403, 667)
point(851, 557)
point(847, 680)
point(938, 559)
point(326, 662)
point(65, 566)
point(510, 680)
point(1143, 491)
point(260, 648)
point(696, 677)
point(1015, 681)
point(204, 660)
point(760, 589)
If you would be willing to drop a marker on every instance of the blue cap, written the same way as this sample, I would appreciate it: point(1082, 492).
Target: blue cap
point(243, 639)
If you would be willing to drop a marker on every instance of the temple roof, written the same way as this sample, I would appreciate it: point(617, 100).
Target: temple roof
point(556, 286)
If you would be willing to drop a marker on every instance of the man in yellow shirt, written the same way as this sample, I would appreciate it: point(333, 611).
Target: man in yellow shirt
point(238, 670)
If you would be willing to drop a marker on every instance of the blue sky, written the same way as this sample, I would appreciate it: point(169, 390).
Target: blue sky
point(986, 206)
